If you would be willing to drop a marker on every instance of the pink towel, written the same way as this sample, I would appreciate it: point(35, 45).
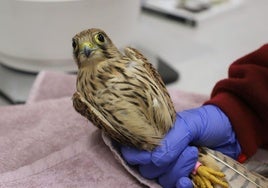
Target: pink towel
point(45, 143)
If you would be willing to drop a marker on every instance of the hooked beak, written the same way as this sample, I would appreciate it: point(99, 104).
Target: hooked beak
point(87, 48)
point(87, 51)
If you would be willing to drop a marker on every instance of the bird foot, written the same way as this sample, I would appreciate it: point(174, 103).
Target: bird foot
point(206, 177)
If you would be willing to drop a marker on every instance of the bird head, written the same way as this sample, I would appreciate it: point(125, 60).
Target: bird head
point(92, 46)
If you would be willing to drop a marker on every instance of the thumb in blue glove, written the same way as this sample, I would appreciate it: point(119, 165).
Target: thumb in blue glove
point(168, 176)
point(182, 167)
point(184, 182)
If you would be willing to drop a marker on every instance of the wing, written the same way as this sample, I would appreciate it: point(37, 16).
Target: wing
point(107, 116)
point(135, 55)
point(82, 106)
point(86, 109)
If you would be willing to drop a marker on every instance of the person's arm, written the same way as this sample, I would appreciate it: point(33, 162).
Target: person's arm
point(243, 97)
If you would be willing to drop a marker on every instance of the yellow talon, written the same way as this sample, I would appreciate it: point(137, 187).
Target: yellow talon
point(198, 182)
point(213, 176)
point(207, 182)
point(207, 177)
point(214, 172)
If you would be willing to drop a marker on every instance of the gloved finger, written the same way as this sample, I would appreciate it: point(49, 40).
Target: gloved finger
point(135, 157)
point(183, 167)
point(184, 182)
point(150, 171)
point(176, 140)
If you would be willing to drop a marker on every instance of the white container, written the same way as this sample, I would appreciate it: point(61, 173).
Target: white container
point(36, 34)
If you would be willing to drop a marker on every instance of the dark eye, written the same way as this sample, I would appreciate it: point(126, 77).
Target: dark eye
point(74, 44)
point(99, 38)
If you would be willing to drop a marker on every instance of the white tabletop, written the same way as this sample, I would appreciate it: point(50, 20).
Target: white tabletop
point(203, 54)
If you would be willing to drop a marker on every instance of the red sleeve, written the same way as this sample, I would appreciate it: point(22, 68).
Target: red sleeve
point(243, 96)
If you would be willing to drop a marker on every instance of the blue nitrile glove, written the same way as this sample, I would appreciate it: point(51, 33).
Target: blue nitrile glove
point(203, 126)
point(168, 176)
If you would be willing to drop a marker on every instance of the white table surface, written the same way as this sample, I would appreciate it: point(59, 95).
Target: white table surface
point(203, 54)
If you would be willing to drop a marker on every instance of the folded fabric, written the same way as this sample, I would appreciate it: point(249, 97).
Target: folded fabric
point(45, 143)
point(52, 85)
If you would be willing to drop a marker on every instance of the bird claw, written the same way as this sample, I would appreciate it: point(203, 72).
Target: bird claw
point(207, 177)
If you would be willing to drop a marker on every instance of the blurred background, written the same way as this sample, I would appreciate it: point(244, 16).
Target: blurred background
point(191, 42)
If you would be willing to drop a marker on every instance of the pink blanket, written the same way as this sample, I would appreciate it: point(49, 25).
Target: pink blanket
point(45, 143)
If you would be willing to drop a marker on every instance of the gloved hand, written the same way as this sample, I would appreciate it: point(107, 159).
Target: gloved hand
point(170, 175)
point(204, 126)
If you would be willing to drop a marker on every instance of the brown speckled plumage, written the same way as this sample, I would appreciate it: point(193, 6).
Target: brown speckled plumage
point(123, 94)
